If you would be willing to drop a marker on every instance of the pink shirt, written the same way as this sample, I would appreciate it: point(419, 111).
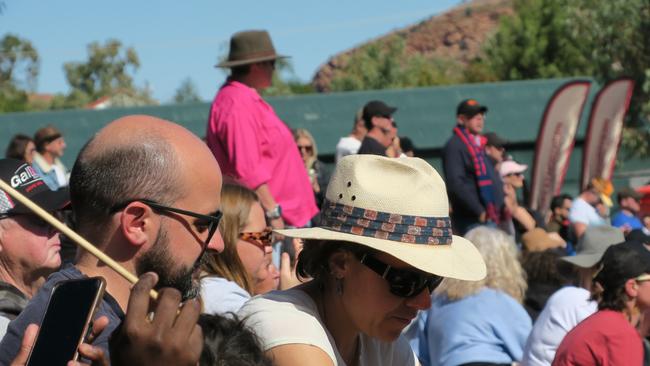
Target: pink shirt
point(253, 146)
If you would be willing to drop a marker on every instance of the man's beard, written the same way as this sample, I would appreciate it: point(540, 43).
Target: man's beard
point(158, 259)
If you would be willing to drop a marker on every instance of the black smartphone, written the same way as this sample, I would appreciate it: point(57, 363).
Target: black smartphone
point(66, 321)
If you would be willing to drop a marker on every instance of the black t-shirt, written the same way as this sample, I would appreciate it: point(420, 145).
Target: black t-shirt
point(372, 147)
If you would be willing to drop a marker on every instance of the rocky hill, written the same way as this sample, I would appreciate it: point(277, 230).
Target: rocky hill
point(456, 34)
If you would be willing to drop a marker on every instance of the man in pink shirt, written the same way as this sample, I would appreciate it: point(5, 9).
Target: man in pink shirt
point(250, 142)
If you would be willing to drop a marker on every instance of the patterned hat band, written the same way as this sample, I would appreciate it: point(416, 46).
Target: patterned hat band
point(387, 226)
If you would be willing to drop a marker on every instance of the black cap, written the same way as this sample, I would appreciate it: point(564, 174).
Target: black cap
point(639, 236)
point(377, 108)
point(495, 140)
point(622, 262)
point(23, 178)
point(470, 108)
point(629, 192)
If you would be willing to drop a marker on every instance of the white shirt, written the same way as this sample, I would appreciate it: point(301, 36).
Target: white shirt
point(221, 296)
point(563, 311)
point(584, 213)
point(291, 317)
point(347, 146)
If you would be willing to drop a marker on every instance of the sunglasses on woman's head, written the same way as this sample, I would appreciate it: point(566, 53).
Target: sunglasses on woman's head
point(261, 239)
point(402, 282)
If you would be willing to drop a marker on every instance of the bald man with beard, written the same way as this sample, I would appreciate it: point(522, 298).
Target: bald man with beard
point(147, 193)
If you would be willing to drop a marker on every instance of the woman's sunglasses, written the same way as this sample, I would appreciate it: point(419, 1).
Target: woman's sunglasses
point(402, 282)
point(307, 148)
point(260, 239)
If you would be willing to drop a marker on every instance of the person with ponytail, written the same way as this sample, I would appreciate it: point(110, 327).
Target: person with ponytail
point(610, 336)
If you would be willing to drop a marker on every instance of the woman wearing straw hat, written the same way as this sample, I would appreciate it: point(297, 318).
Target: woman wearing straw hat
point(385, 243)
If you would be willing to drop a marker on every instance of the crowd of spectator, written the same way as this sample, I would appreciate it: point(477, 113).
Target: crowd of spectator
point(262, 255)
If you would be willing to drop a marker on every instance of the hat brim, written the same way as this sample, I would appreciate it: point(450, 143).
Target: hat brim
point(460, 260)
point(584, 260)
point(227, 64)
point(47, 200)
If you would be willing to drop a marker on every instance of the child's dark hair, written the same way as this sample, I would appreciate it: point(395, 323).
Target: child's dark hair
point(228, 342)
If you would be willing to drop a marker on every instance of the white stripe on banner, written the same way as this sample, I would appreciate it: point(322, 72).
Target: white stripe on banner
point(555, 142)
point(605, 129)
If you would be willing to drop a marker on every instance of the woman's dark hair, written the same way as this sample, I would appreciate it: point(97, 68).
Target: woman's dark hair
point(227, 341)
point(314, 257)
point(547, 268)
point(17, 146)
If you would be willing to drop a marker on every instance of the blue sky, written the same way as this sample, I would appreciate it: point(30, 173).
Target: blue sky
point(176, 39)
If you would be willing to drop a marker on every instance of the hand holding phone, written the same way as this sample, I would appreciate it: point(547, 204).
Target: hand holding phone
point(66, 321)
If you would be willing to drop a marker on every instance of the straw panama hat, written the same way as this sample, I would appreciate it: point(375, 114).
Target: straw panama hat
point(249, 47)
point(399, 207)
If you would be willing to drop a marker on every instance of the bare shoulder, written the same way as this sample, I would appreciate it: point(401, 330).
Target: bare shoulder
point(299, 355)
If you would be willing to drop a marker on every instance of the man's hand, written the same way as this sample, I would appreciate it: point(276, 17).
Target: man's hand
point(168, 336)
point(483, 217)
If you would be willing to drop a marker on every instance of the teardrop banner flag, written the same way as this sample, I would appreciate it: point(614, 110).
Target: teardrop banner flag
point(555, 142)
point(604, 130)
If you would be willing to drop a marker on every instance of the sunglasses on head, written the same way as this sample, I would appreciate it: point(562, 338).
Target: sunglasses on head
point(260, 239)
point(402, 282)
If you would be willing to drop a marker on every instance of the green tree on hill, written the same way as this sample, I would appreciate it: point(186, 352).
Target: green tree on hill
point(19, 66)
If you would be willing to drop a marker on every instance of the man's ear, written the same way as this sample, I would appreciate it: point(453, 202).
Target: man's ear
point(461, 119)
point(138, 223)
point(631, 288)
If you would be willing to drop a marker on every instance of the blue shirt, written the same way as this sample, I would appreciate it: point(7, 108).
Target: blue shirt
point(35, 310)
point(623, 219)
point(488, 326)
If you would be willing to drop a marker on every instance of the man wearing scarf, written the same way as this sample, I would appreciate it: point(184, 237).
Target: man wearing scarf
point(475, 190)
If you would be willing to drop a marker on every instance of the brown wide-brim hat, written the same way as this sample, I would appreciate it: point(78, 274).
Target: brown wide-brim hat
point(249, 47)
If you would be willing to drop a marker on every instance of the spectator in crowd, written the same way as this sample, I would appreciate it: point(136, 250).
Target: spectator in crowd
point(583, 211)
point(134, 199)
point(646, 224)
point(495, 148)
point(559, 220)
point(227, 341)
point(571, 304)
point(480, 322)
point(230, 277)
point(629, 202)
point(369, 276)
point(407, 146)
point(622, 290)
point(29, 246)
point(21, 147)
point(378, 118)
point(50, 146)
point(350, 144)
point(250, 142)
point(523, 218)
point(475, 190)
point(545, 274)
point(315, 169)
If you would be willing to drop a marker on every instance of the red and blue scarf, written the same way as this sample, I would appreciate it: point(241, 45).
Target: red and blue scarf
point(483, 179)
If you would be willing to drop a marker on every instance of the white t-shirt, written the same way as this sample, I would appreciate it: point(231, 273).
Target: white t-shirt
point(347, 146)
point(291, 317)
point(563, 311)
point(221, 296)
point(584, 213)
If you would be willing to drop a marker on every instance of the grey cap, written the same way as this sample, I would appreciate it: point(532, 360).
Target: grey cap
point(593, 244)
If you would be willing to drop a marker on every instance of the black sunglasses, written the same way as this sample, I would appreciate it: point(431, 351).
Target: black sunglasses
point(210, 222)
point(402, 282)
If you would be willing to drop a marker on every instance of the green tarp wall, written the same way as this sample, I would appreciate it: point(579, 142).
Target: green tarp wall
point(427, 115)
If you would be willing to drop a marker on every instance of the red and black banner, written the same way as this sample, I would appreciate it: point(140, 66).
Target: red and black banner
point(555, 142)
point(604, 132)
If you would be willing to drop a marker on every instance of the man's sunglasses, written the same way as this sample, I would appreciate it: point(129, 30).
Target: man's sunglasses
point(260, 239)
point(402, 282)
point(515, 174)
point(209, 222)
